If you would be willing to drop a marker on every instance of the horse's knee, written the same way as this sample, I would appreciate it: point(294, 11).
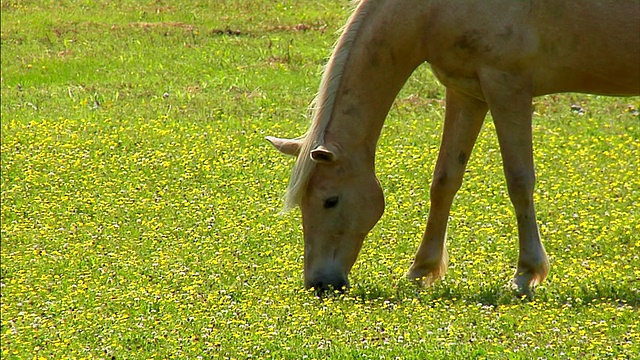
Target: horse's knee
point(521, 186)
point(444, 185)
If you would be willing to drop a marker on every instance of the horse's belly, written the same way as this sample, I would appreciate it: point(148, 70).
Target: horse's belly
point(589, 82)
point(589, 47)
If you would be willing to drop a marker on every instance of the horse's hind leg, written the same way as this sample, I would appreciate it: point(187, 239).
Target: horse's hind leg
point(509, 98)
point(463, 119)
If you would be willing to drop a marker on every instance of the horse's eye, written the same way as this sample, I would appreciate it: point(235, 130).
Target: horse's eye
point(331, 202)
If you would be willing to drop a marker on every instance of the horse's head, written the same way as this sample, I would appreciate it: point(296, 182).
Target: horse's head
point(340, 204)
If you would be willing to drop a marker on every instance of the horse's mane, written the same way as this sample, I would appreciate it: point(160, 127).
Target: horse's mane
point(322, 107)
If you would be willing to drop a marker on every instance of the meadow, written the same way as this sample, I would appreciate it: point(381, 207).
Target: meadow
point(140, 213)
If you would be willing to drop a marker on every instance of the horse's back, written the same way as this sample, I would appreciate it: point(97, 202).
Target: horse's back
point(562, 46)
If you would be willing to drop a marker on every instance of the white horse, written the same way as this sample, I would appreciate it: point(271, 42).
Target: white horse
point(492, 55)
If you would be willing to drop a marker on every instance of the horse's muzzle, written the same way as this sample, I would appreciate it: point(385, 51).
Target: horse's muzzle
point(323, 283)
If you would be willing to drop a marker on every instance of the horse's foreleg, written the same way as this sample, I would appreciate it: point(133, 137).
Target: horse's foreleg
point(509, 98)
point(463, 119)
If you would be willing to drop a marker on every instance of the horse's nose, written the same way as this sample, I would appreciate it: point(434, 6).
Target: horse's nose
point(328, 282)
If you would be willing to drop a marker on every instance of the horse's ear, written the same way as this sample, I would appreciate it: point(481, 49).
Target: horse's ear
point(286, 146)
point(322, 154)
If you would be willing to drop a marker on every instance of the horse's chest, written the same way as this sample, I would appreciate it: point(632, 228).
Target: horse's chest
point(463, 82)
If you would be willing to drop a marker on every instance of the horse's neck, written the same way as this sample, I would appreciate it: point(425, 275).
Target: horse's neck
point(378, 58)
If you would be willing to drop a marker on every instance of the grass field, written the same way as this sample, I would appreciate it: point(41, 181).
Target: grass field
point(140, 201)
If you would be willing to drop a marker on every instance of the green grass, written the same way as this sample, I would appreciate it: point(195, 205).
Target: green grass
point(140, 201)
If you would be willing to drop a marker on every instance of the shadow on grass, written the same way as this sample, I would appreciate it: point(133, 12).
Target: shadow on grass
point(494, 294)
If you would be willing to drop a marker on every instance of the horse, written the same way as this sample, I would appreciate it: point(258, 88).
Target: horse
point(490, 55)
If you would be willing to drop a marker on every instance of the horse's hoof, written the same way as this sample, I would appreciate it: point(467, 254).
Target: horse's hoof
point(524, 283)
point(424, 278)
point(526, 278)
point(521, 288)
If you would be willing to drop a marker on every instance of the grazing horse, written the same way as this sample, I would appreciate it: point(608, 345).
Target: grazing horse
point(491, 55)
